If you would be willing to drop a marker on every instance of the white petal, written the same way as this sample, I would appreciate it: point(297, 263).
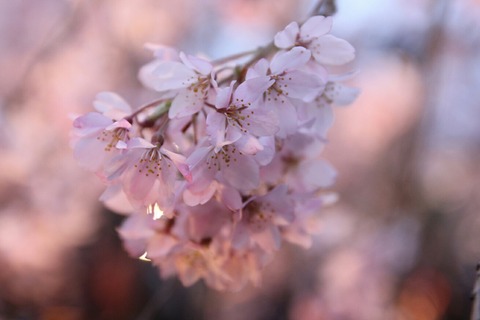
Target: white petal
point(248, 144)
point(216, 126)
point(324, 119)
point(340, 94)
point(198, 156)
point(139, 143)
point(243, 173)
point(200, 65)
point(287, 116)
point(116, 200)
point(317, 174)
point(224, 96)
point(112, 105)
point(186, 103)
point(330, 50)
point(163, 52)
point(260, 121)
point(287, 37)
point(301, 85)
point(90, 124)
point(315, 27)
point(250, 90)
point(231, 198)
point(266, 155)
point(285, 60)
point(90, 154)
point(259, 69)
point(192, 198)
point(171, 75)
point(136, 226)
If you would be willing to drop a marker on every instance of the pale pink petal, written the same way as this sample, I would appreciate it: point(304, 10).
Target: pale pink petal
point(268, 239)
point(160, 245)
point(115, 199)
point(122, 123)
point(315, 27)
point(200, 65)
point(112, 105)
point(224, 96)
point(231, 198)
point(186, 103)
point(286, 60)
point(240, 236)
point(139, 143)
point(317, 173)
point(340, 94)
point(163, 52)
point(287, 37)
point(140, 182)
point(330, 50)
point(259, 69)
point(136, 226)
point(233, 134)
point(90, 124)
point(243, 173)
point(171, 75)
point(198, 156)
point(180, 163)
point(248, 144)
point(205, 221)
point(195, 197)
point(260, 121)
point(265, 156)
point(146, 74)
point(90, 154)
point(216, 126)
point(297, 236)
point(301, 85)
point(287, 116)
point(324, 118)
point(250, 90)
point(280, 204)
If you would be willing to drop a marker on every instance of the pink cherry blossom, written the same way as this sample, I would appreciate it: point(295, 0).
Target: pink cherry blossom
point(239, 119)
point(260, 219)
point(99, 137)
point(314, 35)
point(149, 173)
point(189, 81)
point(225, 164)
point(290, 84)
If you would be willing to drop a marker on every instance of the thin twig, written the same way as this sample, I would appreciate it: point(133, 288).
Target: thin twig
point(161, 296)
point(476, 296)
point(324, 7)
point(234, 57)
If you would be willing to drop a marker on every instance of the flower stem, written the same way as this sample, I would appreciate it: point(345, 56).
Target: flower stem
point(234, 57)
point(147, 106)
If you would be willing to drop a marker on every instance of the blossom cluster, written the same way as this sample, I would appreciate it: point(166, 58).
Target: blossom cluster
point(225, 164)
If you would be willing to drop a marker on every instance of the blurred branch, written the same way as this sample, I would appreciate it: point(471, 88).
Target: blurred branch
point(324, 8)
point(60, 32)
point(159, 298)
point(476, 296)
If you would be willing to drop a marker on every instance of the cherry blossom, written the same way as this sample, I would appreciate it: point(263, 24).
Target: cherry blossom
point(226, 163)
point(314, 35)
point(99, 136)
point(288, 84)
point(148, 173)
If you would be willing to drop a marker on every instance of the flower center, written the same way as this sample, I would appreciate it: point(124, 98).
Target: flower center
point(112, 137)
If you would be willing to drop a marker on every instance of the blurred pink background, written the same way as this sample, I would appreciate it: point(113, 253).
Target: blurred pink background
point(403, 239)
